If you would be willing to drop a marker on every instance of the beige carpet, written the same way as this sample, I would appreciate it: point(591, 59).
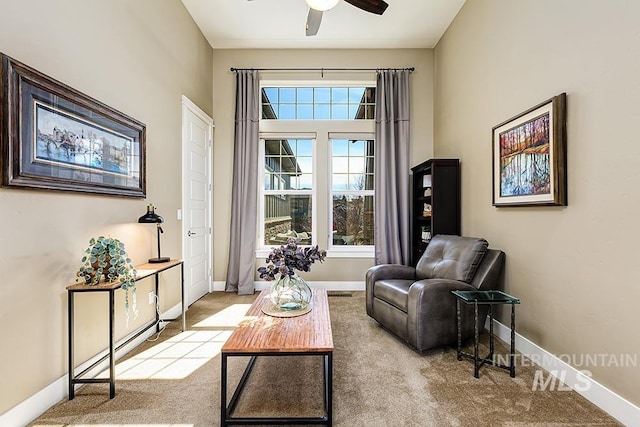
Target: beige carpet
point(378, 381)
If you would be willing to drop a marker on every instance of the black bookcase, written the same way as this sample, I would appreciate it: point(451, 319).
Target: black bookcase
point(435, 202)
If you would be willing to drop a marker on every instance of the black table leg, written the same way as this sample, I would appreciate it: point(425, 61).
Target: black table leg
point(223, 391)
point(184, 307)
point(112, 346)
point(70, 309)
point(491, 345)
point(512, 367)
point(328, 373)
point(459, 316)
point(476, 363)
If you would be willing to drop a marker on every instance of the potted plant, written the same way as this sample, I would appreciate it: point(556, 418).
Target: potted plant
point(290, 291)
point(106, 257)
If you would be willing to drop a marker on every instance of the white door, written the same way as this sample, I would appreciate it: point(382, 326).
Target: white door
point(197, 131)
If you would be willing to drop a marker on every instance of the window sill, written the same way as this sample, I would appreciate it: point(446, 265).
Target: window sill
point(350, 253)
point(331, 253)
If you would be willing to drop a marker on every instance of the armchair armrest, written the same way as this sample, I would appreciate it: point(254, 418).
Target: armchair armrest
point(382, 272)
point(433, 311)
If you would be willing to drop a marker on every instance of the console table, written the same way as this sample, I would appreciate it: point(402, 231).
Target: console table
point(143, 271)
point(489, 298)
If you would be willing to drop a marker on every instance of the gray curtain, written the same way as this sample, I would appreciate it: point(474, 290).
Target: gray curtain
point(392, 206)
point(244, 195)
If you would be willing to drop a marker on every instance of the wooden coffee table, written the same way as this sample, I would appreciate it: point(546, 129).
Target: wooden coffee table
point(263, 335)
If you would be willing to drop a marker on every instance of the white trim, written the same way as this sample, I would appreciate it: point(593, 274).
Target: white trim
point(335, 251)
point(606, 399)
point(328, 285)
point(197, 111)
point(32, 407)
point(318, 83)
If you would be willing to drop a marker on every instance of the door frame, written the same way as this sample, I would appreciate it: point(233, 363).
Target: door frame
point(188, 105)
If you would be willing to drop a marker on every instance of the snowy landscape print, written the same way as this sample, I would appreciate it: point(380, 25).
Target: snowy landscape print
point(76, 143)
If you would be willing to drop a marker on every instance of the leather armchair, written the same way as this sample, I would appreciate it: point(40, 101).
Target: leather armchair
point(417, 305)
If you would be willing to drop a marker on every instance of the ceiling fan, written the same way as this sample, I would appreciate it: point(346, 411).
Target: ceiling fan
point(318, 7)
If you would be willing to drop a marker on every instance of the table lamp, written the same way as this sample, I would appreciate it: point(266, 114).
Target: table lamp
point(151, 217)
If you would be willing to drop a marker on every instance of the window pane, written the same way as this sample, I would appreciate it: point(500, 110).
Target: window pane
point(356, 148)
point(370, 95)
point(355, 94)
point(287, 111)
point(305, 95)
point(340, 165)
point(305, 164)
point(305, 181)
point(340, 147)
point(304, 112)
point(339, 95)
point(340, 182)
point(288, 94)
point(356, 165)
point(370, 112)
point(352, 220)
point(322, 95)
point(287, 216)
point(322, 112)
point(304, 147)
point(355, 112)
point(368, 181)
point(271, 94)
point(339, 112)
point(267, 181)
point(272, 147)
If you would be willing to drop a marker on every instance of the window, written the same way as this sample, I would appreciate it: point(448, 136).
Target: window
point(288, 190)
point(352, 191)
point(318, 103)
point(317, 153)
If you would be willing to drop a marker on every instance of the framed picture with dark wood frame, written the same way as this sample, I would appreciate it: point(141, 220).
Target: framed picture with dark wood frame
point(55, 138)
point(530, 157)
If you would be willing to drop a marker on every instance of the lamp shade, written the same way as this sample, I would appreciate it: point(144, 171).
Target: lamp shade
point(322, 5)
point(151, 217)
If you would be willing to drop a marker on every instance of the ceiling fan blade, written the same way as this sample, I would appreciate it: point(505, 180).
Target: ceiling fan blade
point(373, 6)
point(313, 22)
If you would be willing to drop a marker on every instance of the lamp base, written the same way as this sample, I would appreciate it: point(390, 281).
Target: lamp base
point(158, 260)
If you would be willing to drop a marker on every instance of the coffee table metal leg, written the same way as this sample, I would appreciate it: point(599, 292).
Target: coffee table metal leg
point(476, 363)
point(512, 368)
point(459, 347)
point(491, 345)
point(223, 391)
point(329, 387)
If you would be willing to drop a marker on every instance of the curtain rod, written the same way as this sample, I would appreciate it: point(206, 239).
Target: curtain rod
point(322, 70)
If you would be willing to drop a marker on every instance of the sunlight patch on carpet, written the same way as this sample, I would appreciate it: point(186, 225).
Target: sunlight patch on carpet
point(113, 425)
point(175, 358)
point(230, 317)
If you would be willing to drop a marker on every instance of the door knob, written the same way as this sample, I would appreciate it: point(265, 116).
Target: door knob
point(190, 233)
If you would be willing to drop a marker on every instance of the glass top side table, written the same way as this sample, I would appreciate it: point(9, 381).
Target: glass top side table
point(489, 298)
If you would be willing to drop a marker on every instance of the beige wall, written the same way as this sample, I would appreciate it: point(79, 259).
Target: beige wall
point(572, 267)
point(138, 57)
point(334, 269)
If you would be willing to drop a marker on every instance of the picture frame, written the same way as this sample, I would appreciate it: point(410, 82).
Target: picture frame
point(529, 157)
point(54, 137)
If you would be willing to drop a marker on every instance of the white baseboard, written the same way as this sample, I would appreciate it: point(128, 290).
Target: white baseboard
point(607, 400)
point(31, 408)
point(329, 286)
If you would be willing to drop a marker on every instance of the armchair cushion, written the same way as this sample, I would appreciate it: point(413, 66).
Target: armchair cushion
point(452, 257)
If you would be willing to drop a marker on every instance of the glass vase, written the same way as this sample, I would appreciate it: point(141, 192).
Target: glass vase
point(290, 293)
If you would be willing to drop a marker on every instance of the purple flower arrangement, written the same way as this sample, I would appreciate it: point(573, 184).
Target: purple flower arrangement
point(288, 258)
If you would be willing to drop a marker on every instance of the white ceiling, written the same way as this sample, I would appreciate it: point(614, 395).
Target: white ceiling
point(280, 24)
